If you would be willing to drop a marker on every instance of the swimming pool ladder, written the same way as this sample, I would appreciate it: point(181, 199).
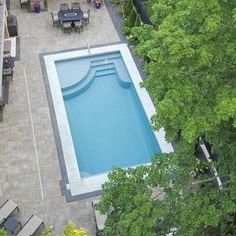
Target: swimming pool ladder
point(88, 46)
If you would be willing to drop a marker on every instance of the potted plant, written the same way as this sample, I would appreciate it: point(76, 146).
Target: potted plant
point(37, 7)
point(98, 3)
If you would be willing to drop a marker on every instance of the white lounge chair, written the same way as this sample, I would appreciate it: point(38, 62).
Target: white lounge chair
point(7, 209)
point(30, 227)
point(99, 220)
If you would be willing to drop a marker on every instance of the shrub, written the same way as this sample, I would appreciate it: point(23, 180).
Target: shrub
point(3, 232)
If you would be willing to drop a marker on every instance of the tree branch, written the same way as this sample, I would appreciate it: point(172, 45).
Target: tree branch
point(157, 195)
point(204, 181)
point(226, 182)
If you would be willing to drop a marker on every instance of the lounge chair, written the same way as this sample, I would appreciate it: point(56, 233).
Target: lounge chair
point(99, 220)
point(7, 209)
point(30, 227)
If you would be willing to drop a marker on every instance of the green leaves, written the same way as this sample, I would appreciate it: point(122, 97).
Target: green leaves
point(190, 59)
point(191, 62)
point(126, 199)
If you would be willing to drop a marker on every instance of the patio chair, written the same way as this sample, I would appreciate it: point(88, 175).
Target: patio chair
point(67, 27)
point(99, 220)
point(75, 5)
point(78, 26)
point(24, 3)
point(55, 19)
point(64, 6)
point(86, 17)
point(8, 66)
point(7, 209)
point(30, 227)
point(6, 54)
point(7, 74)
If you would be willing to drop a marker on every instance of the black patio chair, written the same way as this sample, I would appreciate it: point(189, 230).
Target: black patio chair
point(7, 209)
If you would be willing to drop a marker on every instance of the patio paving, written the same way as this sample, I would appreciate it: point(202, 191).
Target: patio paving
point(30, 171)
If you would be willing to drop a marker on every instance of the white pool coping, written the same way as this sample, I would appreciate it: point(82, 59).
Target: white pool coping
point(78, 185)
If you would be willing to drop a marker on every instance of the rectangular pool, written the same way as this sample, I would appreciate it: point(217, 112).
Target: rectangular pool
point(102, 114)
point(107, 122)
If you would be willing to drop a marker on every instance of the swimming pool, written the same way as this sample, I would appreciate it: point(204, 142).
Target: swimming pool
point(107, 122)
point(102, 114)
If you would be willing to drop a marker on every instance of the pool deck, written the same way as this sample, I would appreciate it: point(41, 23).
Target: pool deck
point(30, 172)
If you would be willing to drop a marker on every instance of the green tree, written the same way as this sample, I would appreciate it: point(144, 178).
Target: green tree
point(69, 230)
point(190, 58)
point(191, 54)
point(3, 232)
point(153, 200)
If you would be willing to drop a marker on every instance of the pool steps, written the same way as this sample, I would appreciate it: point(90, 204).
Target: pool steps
point(100, 63)
point(97, 69)
point(75, 91)
point(105, 72)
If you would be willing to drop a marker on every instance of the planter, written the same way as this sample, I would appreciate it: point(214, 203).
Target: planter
point(97, 5)
point(37, 9)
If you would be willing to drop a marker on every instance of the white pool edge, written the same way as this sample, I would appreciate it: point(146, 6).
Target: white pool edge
point(78, 185)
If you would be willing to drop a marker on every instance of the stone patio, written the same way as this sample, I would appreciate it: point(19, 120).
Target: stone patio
point(30, 171)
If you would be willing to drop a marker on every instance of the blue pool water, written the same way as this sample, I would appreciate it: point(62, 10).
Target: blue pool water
point(107, 122)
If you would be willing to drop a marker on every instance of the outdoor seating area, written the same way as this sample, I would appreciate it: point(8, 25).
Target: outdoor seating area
point(70, 19)
point(12, 225)
point(27, 106)
point(8, 63)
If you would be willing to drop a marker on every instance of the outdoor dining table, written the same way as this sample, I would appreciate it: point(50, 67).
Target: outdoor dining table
point(70, 15)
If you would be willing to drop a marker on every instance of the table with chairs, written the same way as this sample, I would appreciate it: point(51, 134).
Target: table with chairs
point(70, 18)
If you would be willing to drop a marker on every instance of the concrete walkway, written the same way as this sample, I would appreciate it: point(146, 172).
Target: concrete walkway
point(30, 172)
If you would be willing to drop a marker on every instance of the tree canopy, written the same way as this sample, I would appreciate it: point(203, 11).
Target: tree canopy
point(190, 57)
point(163, 197)
point(191, 54)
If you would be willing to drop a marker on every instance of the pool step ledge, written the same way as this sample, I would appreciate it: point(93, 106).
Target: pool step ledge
point(96, 67)
point(87, 83)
